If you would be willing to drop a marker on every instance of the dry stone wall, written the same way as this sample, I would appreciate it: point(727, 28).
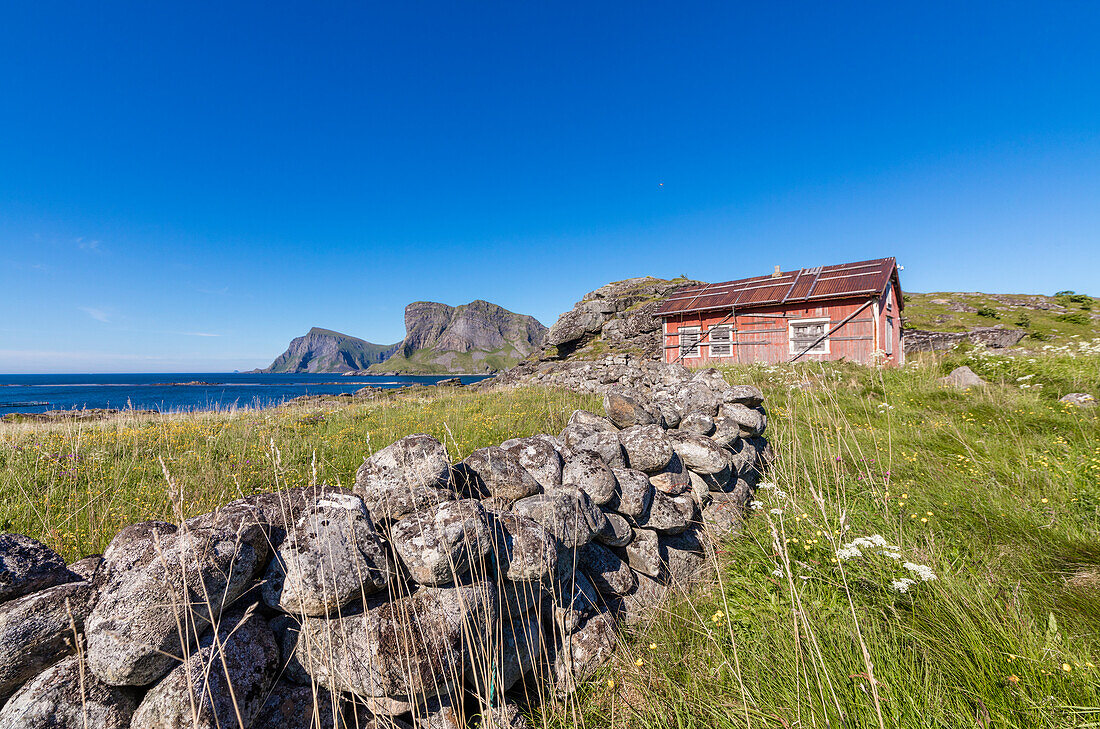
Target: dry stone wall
point(432, 595)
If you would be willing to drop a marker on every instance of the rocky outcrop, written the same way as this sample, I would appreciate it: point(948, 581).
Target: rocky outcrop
point(619, 318)
point(323, 350)
point(472, 338)
point(433, 588)
point(919, 340)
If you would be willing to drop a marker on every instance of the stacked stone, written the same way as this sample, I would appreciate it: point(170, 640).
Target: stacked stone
point(431, 593)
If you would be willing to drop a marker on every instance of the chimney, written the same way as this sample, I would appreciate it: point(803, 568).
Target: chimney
point(777, 273)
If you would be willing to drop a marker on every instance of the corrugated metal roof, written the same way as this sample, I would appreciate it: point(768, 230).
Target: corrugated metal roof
point(843, 280)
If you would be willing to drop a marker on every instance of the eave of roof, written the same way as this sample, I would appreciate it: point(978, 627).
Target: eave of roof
point(842, 281)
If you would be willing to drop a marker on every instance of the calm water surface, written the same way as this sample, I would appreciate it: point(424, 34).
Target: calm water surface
point(179, 391)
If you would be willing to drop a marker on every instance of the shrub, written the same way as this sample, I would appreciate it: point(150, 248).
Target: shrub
point(1074, 318)
point(989, 312)
point(1023, 321)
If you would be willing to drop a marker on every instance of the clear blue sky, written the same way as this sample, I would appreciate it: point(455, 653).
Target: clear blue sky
point(186, 186)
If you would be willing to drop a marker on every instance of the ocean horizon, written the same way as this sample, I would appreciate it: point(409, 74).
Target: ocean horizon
point(184, 391)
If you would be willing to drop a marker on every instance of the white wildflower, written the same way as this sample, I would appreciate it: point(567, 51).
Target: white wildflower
point(1025, 377)
point(756, 504)
point(924, 573)
point(776, 512)
point(903, 584)
point(848, 552)
point(777, 572)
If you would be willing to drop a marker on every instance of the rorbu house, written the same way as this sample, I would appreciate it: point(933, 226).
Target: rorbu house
point(850, 311)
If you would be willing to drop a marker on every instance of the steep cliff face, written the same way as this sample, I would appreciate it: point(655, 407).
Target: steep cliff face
point(474, 337)
point(323, 350)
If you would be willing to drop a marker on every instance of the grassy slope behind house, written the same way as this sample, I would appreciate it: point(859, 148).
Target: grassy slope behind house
point(995, 491)
point(1044, 318)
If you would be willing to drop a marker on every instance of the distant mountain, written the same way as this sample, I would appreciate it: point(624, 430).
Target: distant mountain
point(323, 350)
point(472, 338)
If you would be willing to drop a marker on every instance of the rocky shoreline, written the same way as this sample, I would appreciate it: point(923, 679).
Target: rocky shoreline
point(433, 594)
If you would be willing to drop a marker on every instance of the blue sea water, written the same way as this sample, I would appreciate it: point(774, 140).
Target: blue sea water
point(177, 392)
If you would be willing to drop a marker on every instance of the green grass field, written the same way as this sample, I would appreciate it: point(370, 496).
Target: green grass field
point(816, 620)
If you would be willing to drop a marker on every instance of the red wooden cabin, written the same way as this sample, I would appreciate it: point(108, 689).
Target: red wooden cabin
point(850, 311)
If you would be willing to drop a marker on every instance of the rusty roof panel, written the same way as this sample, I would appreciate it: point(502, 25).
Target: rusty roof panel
point(807, 284)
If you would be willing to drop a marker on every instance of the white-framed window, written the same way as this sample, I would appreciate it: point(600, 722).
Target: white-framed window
point(804, 332)
point(889, 335)
point(689, 341)
point(721, 340)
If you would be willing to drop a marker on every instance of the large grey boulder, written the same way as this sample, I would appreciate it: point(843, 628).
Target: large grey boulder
point(635, 492)
point(27, 565)
point(962, 378)
point(86, 569)
point(696, 397)
point(699, 453)
point(606, 444)
point(517, 599)
point(726, 431)
point(513, 654)
point(624, 410)
point(570, 516)
point(722, 518)
point(135, 546)
point(644, 601)
point(575, 598)
point(643, 554)
point(68, 696)
point(684, 559)
point(744, 458)
point(698, 423)
point(1079, 399)
point(525, 549)
point(332, 556)
point(585, 650)
point(589, 419)
point(607, 572)
point(750, 421)
point(540, 458)
point(39, 629)
point(496, 472)
point(585, 319)
point(293, 706)
point(134, 633)
point(712, 378)
point(406, 476)
point(222, 684)
point(747, 395)
point(673, 479)
point(647, 447)
point(688, 507)
point(443, 542)
point(588, 471)
point(663, 515)
point(618, 532)
point(408, 650)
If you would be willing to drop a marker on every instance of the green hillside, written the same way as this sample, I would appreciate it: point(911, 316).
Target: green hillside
point(1044, 318)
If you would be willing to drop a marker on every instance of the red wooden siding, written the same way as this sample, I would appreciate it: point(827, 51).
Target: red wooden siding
point(763, 334)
